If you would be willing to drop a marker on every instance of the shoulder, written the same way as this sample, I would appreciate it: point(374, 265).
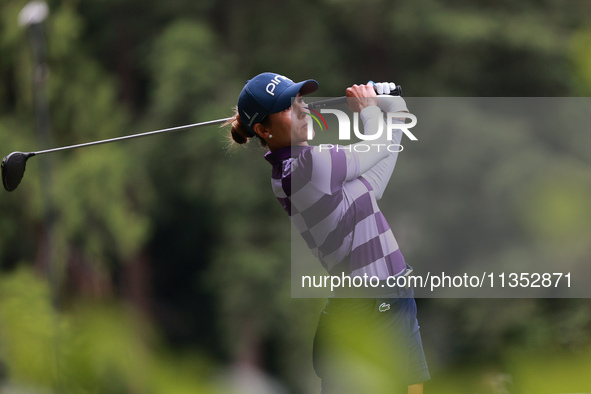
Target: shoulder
point(318, 158)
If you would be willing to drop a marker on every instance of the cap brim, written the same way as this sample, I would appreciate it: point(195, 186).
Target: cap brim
point(285, 98)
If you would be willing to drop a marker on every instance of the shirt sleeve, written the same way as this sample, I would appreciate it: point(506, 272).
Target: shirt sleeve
point(379, 175)
point(328, 167)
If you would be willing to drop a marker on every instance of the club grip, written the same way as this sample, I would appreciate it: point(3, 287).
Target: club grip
point(343, 100)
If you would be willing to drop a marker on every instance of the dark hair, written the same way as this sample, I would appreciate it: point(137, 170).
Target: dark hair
point(239, 133)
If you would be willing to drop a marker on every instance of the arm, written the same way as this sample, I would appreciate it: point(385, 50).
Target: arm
point(363, 99)
point(379, 175)
point(332, 167)
point(372, 117)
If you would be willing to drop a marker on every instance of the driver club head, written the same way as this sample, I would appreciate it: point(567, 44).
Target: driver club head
point(13, 169)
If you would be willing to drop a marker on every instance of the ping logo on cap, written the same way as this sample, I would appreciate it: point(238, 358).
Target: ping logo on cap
point(274, 82)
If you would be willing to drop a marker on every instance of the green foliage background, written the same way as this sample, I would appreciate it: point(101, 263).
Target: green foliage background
point(170, 256)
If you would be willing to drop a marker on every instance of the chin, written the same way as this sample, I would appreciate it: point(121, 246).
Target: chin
point(303, 138)
point(304, 133)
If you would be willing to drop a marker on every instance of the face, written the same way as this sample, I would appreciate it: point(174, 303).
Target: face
point(299, 122)
point(286, 128)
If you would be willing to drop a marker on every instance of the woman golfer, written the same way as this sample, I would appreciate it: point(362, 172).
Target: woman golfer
point(330, 193)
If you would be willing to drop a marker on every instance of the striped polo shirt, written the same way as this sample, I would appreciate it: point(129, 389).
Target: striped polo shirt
point(335, 210)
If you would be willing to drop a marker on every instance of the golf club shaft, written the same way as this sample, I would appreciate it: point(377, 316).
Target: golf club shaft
point(331, 102)
point(128, 137)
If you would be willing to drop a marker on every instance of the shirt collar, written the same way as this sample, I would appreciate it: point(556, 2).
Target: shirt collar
point(281, 154)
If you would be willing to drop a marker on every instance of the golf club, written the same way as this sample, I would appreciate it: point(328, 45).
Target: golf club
point(343, 100)
point(13, 165)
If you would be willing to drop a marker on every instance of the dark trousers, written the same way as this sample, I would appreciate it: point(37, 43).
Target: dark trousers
point(369, 345)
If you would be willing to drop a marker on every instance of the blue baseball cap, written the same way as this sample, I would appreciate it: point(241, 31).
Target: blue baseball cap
point(268, 93)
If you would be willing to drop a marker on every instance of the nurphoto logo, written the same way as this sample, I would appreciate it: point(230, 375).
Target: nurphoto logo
point(392, 123)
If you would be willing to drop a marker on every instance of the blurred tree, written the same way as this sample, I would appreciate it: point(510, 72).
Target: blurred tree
point(95, 347)
point(98, 224)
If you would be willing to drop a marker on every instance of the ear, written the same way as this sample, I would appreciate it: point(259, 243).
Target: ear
point(261, 130)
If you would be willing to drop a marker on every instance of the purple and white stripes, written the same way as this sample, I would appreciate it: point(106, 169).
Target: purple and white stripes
point(335, 210)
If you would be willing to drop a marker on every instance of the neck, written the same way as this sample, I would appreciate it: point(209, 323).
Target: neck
point(273, 148)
